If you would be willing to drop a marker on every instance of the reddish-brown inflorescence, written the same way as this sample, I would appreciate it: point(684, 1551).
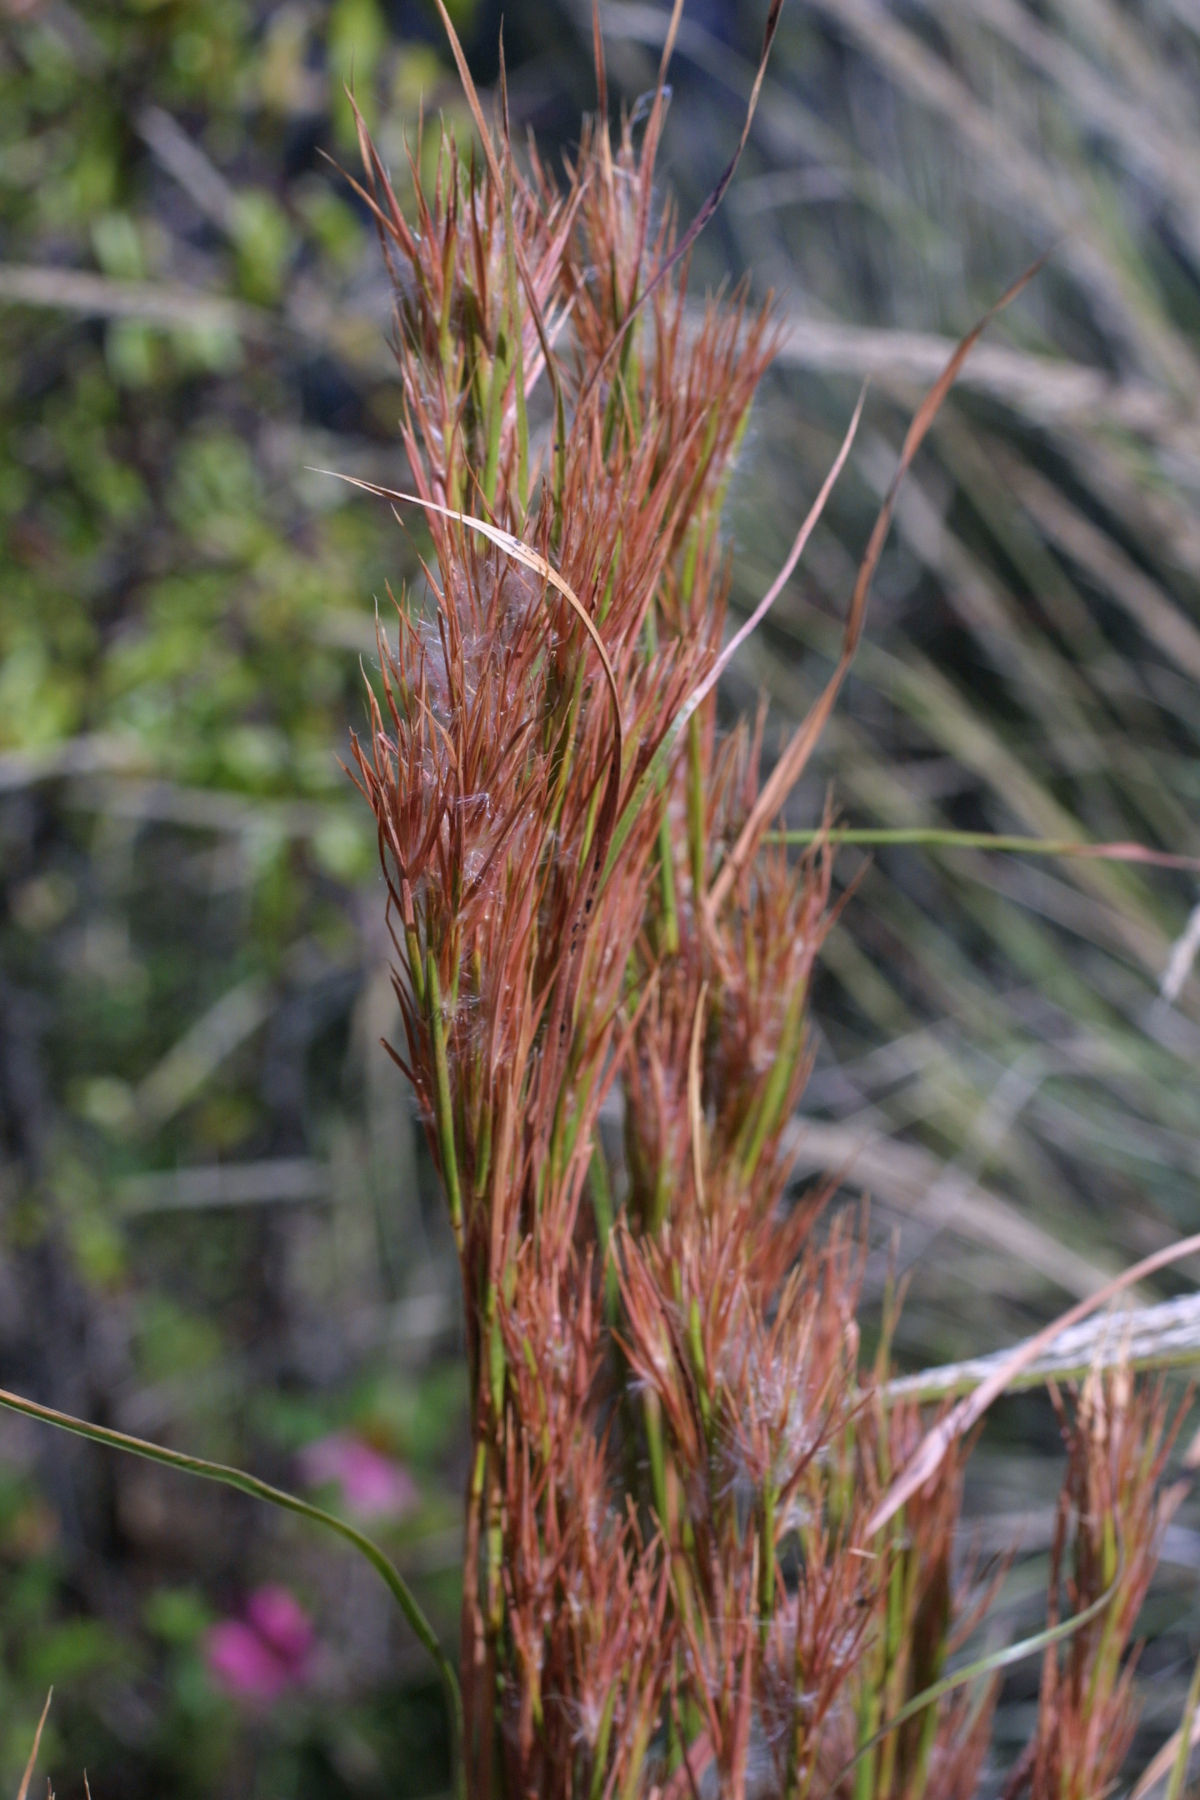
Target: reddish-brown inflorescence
point(671, 1587)
point(1117, 1443)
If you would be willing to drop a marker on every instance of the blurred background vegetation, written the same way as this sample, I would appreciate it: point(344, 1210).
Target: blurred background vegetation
point(217, 1220)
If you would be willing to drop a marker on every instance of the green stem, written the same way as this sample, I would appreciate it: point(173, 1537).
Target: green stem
point(442, 1100)
point(933, 838)
point(262, 1490)
point(657, 1458)
point(988, 1665)
point(697, 809)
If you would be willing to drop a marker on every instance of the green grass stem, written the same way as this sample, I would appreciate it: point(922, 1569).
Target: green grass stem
point(244, 1483)
point(989, 1665)
point(932, 838)
point(442, 1099)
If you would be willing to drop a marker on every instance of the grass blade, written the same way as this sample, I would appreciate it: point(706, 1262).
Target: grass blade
point(794, 759)
point(933, 838)
point(23, 1790)
point(988, 1665)
point(261, 1490)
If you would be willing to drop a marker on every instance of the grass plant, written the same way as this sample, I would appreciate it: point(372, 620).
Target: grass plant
point(678, 1568)
point(710, 1547)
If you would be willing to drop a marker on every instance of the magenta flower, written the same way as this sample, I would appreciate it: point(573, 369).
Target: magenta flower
point(370, 1484)
point(260, 1656)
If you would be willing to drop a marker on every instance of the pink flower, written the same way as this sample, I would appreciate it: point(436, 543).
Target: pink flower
point(370, 1484)
point(282, 1624)
point(258, 1657)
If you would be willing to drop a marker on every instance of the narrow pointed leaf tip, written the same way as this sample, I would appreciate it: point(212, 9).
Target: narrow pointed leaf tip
point(796, 754)
point(750, 625)
point(714, 199)
point(31, 1765)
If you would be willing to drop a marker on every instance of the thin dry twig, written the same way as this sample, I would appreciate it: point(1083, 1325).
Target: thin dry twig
point(1144, 1338)
point(968, 1412)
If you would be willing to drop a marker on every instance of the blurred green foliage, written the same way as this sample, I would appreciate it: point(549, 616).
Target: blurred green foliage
point(184, 612)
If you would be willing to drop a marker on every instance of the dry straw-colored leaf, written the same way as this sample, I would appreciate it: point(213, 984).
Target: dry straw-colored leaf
point(23, 1790)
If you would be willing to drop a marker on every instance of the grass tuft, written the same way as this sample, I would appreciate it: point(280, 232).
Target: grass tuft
point(711, 1543)
point(708, 1549)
